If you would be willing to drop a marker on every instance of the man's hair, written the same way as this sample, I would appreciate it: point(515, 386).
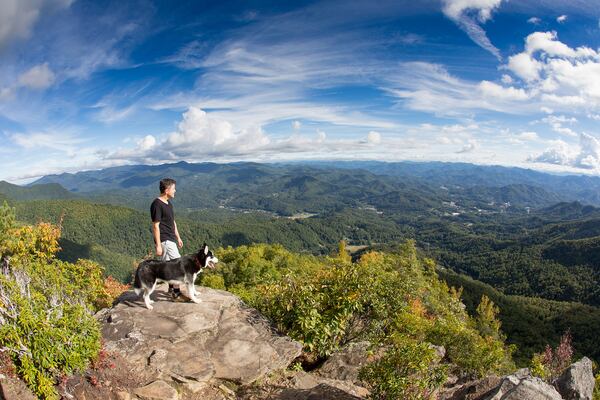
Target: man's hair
point(165, 184)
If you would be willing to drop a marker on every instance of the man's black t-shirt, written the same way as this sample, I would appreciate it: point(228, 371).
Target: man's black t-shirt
point(163, 213)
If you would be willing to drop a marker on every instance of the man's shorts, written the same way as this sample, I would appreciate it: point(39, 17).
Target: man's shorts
point(169, 250)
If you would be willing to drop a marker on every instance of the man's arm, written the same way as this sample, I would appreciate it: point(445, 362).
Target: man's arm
point(156, 234)
point(179, 241)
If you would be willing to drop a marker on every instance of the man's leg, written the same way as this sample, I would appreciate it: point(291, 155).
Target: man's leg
point(170, 252)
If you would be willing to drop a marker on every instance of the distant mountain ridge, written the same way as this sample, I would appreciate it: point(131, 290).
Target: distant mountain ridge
point(44, 191)
point(454, 176)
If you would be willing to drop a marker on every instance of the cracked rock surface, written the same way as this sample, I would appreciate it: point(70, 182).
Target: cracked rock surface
point(195, 345)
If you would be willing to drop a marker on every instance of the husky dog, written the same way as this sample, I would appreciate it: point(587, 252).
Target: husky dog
point(179, 271)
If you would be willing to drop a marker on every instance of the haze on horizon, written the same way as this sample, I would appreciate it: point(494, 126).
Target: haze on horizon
point(93, 84)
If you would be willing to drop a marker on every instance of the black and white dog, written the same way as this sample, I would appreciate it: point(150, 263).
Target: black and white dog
point(178, 271)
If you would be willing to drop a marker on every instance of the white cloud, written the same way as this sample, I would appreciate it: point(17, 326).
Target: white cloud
point(561, 19)
point(556, 123)
point(524, 66)
point(374, 137)
point(534, 20)
point(201, 136)
point(460, 11)
point(584, 156)
point(492, 90)
point(560, 153)
point(296, 125)
point(49, 140)
point(548, 43)
point(38, 77)
point(17, 17)
point(469, 147)
point(109, 114)
point(507, 79)
point(529, 136)
point(429, 87)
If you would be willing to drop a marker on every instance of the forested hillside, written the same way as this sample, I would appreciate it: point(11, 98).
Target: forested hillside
point(513, 237)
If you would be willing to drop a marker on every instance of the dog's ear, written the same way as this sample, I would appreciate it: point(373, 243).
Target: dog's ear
point(205, 249)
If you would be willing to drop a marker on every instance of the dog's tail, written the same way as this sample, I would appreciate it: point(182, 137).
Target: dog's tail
point(137, 282)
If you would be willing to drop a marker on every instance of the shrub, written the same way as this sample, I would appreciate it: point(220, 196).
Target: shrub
point(46, 305)
point(408, 370)
point(214, 281)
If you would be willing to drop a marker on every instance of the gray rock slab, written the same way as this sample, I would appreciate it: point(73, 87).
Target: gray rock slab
point(346, 363)
point(219, 338)
point(530, 388)
point(577, 382)
point(157, 390)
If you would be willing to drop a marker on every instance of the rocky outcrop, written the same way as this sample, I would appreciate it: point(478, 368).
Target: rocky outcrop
point(521, 385)
point(194, 345)
point(472, 390)
point(577, 382)
point(12, 389)
point(346, 364)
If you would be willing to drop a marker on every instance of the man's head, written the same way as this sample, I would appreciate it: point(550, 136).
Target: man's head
point(167, 186)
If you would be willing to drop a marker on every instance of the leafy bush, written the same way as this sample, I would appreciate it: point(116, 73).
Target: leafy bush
point(394, 300)
point(408, 370)
point(46, 320)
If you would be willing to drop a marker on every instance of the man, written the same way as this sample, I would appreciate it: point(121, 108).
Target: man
point(164, 229)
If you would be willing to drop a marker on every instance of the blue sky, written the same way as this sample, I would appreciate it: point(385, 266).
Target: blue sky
point(93, 84)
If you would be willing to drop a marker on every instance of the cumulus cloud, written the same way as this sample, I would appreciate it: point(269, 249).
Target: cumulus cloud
point(374, 137)
point(534, 20)
point(469, 14)
point(561, 19)
point(296, 125)
point(38, 77)
point(524, 66)
point(200, 136)
point(584, 156)
point(557, 75)
point(490, 89)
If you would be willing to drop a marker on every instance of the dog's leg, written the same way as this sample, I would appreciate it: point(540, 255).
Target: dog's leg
point(152, 290)
point(192, 291)
point(194, 285)
point(147, 300)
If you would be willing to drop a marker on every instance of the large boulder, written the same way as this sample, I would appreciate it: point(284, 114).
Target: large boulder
point(521, 385)
point(196, 345)
point(346, 363)
point(470, 390)
point(577, 382)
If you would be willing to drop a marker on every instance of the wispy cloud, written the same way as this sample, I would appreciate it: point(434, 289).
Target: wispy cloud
point(469, 14)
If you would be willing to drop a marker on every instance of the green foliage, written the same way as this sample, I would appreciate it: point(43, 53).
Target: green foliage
point(532, 323)
point(343, 254)
point(46, 305)
point(408, 370)
point(487, 318)
point(214, 281)
point(393, 299)
point(596, 395)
